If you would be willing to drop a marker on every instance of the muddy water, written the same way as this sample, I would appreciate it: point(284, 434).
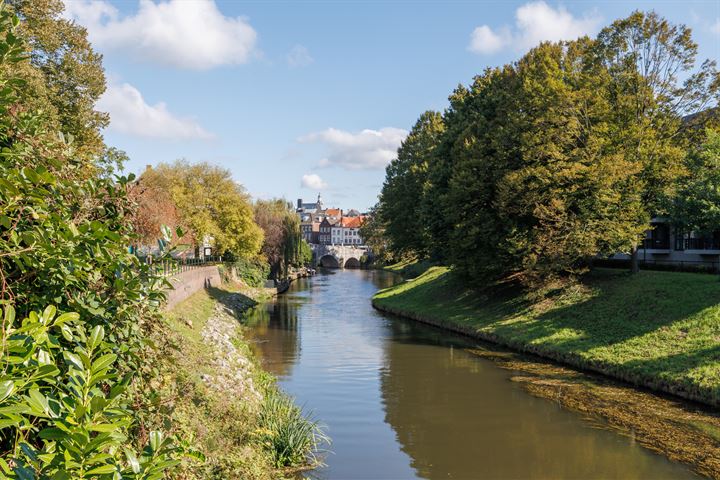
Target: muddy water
point(403, 400)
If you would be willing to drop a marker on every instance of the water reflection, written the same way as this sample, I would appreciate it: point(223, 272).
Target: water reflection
point(457, 417)
point(274, 329)
point(404, 400)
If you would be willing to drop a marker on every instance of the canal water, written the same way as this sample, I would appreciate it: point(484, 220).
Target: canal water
point(402, 400)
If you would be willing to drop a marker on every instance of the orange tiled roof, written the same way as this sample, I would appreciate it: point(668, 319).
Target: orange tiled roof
point(332, 211)
point(352, 222)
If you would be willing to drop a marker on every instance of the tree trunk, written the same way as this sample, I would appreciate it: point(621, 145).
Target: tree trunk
point(634, 265)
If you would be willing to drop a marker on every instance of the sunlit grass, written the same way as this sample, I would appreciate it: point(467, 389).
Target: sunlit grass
point(659, 329)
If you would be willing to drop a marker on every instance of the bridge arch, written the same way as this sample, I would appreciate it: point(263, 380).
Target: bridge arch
point(352, 262)
point(329, 261)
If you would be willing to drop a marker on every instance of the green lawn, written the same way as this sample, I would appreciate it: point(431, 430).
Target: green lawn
point(657, 329)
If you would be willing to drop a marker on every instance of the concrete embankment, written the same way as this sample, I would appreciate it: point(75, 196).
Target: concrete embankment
point(186, 283)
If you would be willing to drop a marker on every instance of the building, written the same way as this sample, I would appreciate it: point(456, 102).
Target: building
point(347, 231)
point(310, 227)
point(329, 226)
point(665, 243)
point(325, 233)
point(316, 207)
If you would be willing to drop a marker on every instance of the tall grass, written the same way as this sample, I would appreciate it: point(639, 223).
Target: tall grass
point(293, 439)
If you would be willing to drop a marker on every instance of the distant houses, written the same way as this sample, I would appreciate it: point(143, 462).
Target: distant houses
point(329, 226)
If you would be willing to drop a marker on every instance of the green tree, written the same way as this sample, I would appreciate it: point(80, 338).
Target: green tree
point(64, 77)
point(697, 204)
point(211, 204)
point(405, 180)
point(372, 232)
point(565, 202)
point(484, 147)
point(434, 203)
point(654, 83)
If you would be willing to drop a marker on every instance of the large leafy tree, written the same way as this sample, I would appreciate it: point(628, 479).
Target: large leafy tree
point(654, 83)
point(210, 203)
point(405, 181)
point(64, 77)
point(485, 147)
point(565, 201)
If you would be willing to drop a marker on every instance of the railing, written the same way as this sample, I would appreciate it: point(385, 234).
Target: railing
point(701, 244)
point(698, 266)
point(168, 267)
point(656, 244)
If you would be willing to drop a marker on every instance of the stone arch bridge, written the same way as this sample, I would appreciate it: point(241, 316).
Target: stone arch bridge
point(338, 256)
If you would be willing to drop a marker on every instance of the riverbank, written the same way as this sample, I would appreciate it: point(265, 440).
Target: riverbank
point(218, 395)
point(659, 330)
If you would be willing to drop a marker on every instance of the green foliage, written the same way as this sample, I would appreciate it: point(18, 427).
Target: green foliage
point(252, 272)
point(405, 179)
point(211, 204)
point(64, 236)
point(291, 437)
point(64, 407)
point(697, 205)
point(545, 163)
point(372, 232)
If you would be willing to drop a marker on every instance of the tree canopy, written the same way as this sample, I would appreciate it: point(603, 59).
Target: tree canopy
point(210, 203)
point(560, 157)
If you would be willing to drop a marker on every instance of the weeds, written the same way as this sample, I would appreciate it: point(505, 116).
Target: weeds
point(292, 438)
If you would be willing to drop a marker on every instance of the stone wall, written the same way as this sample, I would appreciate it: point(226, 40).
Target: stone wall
point(191, 281)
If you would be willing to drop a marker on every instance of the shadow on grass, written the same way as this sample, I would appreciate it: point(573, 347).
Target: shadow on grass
point(654, 324)
point(237, 302)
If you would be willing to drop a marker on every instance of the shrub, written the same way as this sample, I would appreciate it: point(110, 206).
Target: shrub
point(252, 272)
point(64, 411)
point(292, 438)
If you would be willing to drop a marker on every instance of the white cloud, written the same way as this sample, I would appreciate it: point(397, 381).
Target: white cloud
point(534, 22)
point(715, 28)
point(313, 182)
point(129, 113)
point(299, 56)
point(484, 40)
point(363, 150)
point(191, 34)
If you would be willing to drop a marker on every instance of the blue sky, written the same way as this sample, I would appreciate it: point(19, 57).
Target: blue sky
point(300, 97)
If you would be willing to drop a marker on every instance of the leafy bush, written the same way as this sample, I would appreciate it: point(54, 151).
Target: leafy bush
point(251, 272)
point(64, 411)
point(68, 382)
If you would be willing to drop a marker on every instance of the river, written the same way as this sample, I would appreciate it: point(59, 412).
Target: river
point(402, 400)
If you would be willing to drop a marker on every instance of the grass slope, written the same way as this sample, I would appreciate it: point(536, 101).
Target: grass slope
point(656, 329)
point(220, 423)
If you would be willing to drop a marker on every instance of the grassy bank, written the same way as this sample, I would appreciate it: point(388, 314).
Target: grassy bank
point(218, 396)
point(656, 329)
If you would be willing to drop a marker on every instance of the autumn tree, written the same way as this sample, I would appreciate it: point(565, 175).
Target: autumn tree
point(210, 203)
point(283, 244)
